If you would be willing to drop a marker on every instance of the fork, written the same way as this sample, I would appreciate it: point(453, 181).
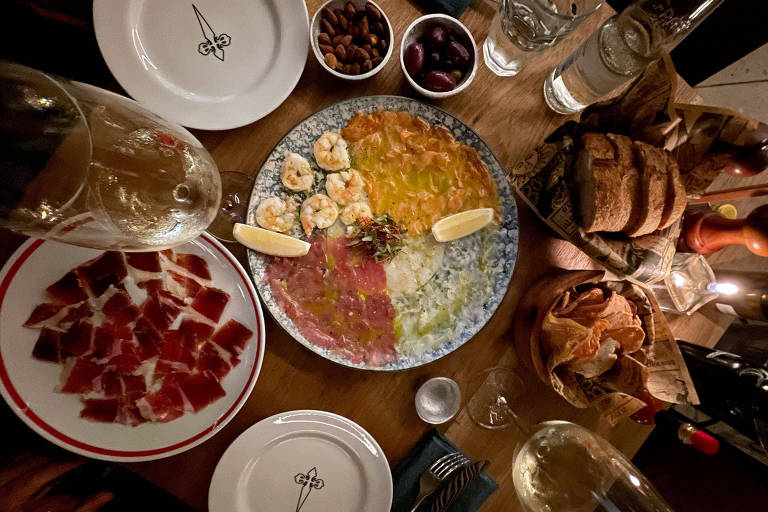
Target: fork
point(437, 472)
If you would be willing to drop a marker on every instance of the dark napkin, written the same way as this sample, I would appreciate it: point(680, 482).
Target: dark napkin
point(453, 8)
point(406, 477)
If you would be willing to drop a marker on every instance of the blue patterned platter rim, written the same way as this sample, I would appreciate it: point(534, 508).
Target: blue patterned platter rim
point(504, 243)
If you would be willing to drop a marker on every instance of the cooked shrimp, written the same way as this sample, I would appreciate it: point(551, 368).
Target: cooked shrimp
point(344, 187)
point(296, 173)
point(276, 214)
point(331, 152)
point(354, 212)
point(318, 211)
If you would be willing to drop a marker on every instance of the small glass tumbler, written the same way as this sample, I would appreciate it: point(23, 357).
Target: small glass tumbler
point(522, 28)
point(438, 400)
point(687, 286)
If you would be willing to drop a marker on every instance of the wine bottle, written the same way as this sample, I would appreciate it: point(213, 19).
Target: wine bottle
point(731, 388)
point(741, 293)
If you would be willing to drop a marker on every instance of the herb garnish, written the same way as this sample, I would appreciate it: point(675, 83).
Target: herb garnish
point(380, 237)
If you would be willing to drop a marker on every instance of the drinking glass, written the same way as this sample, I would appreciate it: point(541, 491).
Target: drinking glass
point(687, 286)
point(521, 28)
point(563, 466)
point(492, 404)
point(88, 167)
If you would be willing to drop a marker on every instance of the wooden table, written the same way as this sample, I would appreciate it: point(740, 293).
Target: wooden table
point(510, 114)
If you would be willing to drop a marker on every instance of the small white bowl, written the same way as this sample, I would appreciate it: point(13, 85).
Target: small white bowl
point(416, 29)
point(315, 30)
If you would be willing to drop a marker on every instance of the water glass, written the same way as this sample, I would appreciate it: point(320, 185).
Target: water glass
point(522, 28)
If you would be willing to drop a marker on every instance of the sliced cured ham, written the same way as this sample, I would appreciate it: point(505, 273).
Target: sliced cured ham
point(67, 290)
point(100, 273)
point(130, 362)
point(210, 302)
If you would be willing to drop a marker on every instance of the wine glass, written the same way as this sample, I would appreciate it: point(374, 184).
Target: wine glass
point(88, 167)
point(563, 466)
point(491, 406)
point(235, 190)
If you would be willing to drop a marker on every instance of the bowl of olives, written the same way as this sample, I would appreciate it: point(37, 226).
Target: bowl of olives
point(438, 56)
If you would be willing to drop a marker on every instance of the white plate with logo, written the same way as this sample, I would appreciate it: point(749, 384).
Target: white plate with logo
point(204, 63)
point(303, 461)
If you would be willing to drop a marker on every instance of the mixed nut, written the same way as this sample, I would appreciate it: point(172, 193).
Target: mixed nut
point(438, 60)
point(353, 41)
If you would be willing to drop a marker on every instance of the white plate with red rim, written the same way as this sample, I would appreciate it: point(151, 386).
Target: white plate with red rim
point(28, 385)
point(306, 461)
point(205, 64)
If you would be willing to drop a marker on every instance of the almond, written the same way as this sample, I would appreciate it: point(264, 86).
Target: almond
point(378, 28)
point(346, 40)
point(354, 31)
point(337, 13)
point(366, 66)
point(347, 69)
point(364, 28)
point(325, 48)
point(355, 68)
point(323, 38)
point(367, 47)
point(350, 10)
point(340, 53)
point(328, 28)
point(331, 61)
point(329, 17)
point(343, 23)
point(375, 53)
point(373, 39)
point(372, 11)
point(337, 40)
point(376, 61)
point(383, 45)
point(362, 55)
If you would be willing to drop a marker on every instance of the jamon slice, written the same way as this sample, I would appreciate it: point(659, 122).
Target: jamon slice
point(98, 274)
point(148, 339)
point(232, 337)
point(102, 409)
point(127, 360)
point(213, 362)
point(47, 346)
point(119, 309)
point(174, 351)
point(77, 340)
point(200, 390)
point(41, 313)
point(80, 375)
point(194, 333)
point(164, 405)
point(193, 264)
point(161, 309)
point(106, 339)
point(210, 302)
point(67, 290)
point(146, 261)
point(182, 286)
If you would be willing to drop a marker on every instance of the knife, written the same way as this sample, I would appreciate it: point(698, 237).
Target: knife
point(455, 485)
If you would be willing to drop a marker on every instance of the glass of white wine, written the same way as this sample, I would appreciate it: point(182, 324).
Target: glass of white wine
point(88, 167)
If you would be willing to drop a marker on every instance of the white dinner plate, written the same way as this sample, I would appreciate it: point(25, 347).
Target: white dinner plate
point(205, 64)
point(303, 461)
point(27, 384)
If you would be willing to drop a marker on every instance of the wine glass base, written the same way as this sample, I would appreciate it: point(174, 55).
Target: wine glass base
point(235, 191)
point(491, 406)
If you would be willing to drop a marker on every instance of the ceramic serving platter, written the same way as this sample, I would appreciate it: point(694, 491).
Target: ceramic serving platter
point(489, 254)
point(29, 385)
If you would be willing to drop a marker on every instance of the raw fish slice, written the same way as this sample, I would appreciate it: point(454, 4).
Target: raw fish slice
point(232, 337)
point(47, 346)
point(210, 302)
point(98, 274)
point(67, 290)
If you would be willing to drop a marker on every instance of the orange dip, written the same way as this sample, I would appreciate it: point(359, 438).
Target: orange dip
point(415, 172)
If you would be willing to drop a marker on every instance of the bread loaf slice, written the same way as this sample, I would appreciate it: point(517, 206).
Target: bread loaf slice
point(602, 181)
point(652, 166)
point(676, 194)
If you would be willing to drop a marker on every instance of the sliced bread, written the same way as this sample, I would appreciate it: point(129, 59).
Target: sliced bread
point(676, 195)
point(602, 189)
point(652, 166)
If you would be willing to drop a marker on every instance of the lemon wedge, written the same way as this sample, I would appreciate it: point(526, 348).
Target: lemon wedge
point(269, 242)
point(461, 224)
